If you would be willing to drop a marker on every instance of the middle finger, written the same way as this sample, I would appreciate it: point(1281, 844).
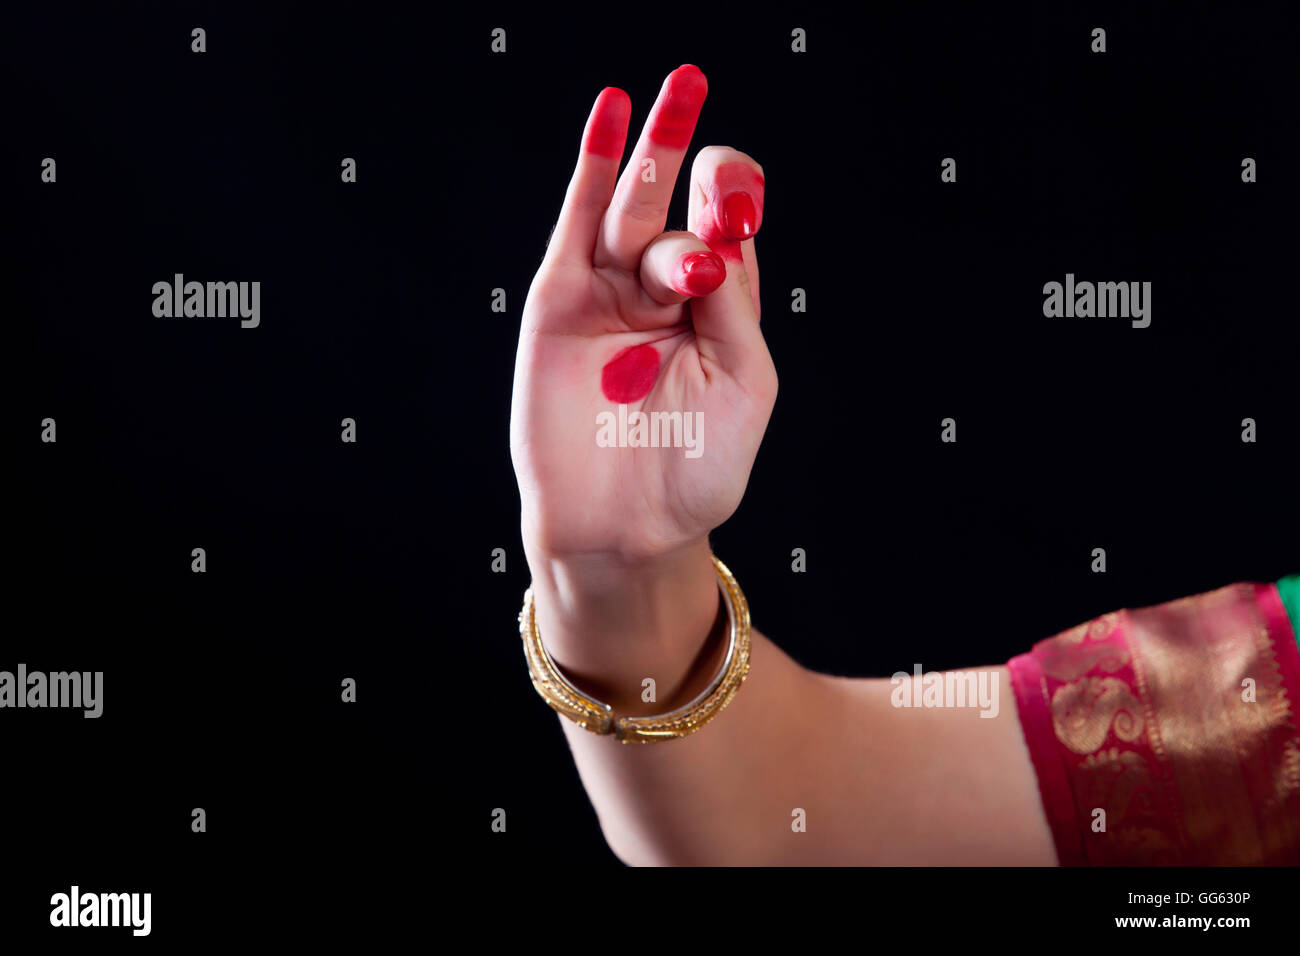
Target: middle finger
point(639, 209)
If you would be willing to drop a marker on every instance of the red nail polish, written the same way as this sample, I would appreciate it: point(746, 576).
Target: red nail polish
point(739, 218)
point(699, 273)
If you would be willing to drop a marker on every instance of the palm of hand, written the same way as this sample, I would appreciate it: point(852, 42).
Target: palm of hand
point(612, 283)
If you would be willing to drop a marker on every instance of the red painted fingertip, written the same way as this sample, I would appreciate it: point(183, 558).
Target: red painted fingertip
point(736, 197)
point(678, 107)
point(607, 128)
point(699, 273)
point(629, 375)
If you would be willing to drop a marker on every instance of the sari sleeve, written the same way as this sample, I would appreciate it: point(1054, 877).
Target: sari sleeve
point(1168, 735)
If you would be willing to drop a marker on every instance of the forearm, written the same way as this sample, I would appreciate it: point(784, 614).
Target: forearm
point(871, 783)
point(609, 624)
point(725, 794)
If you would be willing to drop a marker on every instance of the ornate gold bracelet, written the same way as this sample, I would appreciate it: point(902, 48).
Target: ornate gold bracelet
point(599, 718)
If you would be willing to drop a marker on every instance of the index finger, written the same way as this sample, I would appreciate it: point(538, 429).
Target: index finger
point(585, 202)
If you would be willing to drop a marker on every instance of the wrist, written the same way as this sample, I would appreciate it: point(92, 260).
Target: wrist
point(609, 622)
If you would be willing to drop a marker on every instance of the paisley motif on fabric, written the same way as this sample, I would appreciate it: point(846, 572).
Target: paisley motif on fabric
point(1146, 752)
point(1085, 711)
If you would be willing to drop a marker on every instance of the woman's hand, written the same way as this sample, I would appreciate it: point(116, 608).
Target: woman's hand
point(616, 539)
point(621, 313)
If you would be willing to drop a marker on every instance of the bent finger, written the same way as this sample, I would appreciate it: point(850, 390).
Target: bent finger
point(726, 206)
point(678, 266)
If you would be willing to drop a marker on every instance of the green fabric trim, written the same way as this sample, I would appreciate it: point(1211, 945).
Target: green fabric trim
point(1289, 589)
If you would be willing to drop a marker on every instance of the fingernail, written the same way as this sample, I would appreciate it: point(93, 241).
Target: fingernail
point(739, 218)
point(699, 273)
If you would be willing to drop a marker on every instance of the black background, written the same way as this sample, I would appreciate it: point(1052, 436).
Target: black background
point(373, 561)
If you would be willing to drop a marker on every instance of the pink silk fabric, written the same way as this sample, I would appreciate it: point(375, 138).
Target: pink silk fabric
point(1168, 735)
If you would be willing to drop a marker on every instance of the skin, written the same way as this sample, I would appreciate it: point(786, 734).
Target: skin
point(617, 543)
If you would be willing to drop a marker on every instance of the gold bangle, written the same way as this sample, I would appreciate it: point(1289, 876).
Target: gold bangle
point(591, 714)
